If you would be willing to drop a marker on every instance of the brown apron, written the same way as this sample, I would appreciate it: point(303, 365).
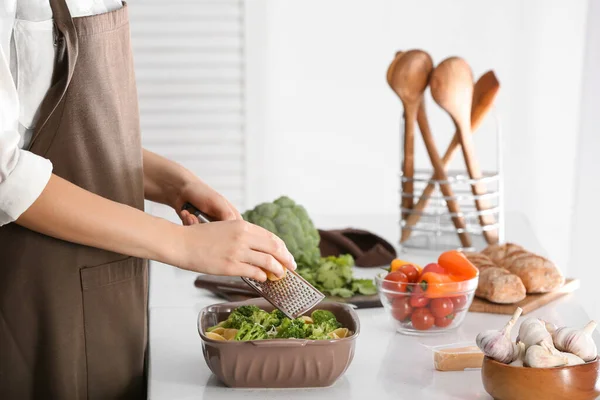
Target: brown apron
point(73, 319)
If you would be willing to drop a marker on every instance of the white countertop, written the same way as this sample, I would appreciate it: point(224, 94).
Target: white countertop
point(387, 365)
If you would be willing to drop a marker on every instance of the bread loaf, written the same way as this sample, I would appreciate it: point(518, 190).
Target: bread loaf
point(481, 261)
point(538, 274)
point(498, 252)
point(500, 286)
point(496, 284)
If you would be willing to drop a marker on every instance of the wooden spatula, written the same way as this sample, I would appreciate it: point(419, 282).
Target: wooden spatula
point(409, 79)
point(451, 86)
point(484, 94)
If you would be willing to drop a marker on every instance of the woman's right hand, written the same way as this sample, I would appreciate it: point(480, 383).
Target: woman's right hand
point(234, 248)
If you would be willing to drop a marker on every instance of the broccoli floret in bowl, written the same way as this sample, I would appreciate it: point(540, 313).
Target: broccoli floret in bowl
point(291, 329)
point(249, 331)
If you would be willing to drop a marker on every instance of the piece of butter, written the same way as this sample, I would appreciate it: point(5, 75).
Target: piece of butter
point(457, 359)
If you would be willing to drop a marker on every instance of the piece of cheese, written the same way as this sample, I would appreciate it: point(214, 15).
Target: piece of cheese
point(457, 359)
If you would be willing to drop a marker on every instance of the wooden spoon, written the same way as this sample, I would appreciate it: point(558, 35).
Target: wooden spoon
point(452, 88)
point(409, 79)
point(439, 170)
point(484, 95)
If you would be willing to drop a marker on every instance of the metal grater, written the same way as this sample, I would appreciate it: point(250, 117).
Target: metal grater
point(292, 295)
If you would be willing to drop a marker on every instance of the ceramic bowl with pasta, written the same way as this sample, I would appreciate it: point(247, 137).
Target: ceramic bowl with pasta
point(249, 344)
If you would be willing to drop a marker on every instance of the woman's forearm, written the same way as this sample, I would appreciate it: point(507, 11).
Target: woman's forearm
point(68, 212)
point(163, 179)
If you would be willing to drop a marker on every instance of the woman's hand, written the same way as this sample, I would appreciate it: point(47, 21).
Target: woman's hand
point(169, 183)
point(206, 199)
point(235, 248)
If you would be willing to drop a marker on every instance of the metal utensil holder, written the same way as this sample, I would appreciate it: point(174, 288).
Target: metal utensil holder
point(435, 229)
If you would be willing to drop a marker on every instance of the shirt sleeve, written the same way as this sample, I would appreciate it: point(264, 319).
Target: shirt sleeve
point(23, 175)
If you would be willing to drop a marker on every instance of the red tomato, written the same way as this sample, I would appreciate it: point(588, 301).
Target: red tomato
point(441, 307)
point(433, 267)
point(401, 308)
point(460, 302)
point(422, 319)
point(443, 322)
point(418, 299)
point(395, 282)
point(411, 272)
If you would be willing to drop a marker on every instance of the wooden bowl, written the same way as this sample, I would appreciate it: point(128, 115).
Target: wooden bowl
point(577, 382)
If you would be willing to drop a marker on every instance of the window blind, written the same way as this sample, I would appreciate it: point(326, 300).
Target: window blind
point(189, 64)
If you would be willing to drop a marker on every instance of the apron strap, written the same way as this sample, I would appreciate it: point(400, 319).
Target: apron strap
point(65, 38)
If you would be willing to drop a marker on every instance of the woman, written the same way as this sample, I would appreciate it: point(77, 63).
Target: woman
point(73, 179)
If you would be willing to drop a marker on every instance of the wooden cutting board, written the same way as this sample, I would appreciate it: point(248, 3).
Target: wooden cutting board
point(235, 289)
point(528, 304)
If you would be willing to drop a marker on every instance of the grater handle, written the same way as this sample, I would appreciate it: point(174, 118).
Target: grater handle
point(202, 217)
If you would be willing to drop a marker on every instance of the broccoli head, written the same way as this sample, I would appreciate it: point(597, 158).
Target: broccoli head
point(317, 333)
point(330, 326)
point(319, 316)
point(267, 320)
point(291, 223)
point(247, 311)
point(291, 329)
point(250, 331)
point(279, 314)
point(235, 320)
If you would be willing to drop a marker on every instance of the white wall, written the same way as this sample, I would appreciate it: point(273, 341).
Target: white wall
point(584, 261)
point(316, 83)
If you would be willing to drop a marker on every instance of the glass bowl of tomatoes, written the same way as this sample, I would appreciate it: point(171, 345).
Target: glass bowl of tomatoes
point(429, 300)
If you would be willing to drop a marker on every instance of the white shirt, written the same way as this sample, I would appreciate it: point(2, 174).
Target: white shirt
point(27, 56)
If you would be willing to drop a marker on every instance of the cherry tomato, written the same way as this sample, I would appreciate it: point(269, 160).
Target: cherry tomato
point(443, 322)
point(401, 308)
point(441, 307)
point(411, 272)
point(433, 267)
point(418, 299)
point(422, 319)
point(460, 302)
point(395, 282)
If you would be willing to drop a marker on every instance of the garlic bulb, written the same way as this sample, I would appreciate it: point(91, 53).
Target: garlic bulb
point(550, 327)
point(518, 362)
point(577, 341)
point(538, 356)
point(572, 359)
point(497, 344)
point(533, 331)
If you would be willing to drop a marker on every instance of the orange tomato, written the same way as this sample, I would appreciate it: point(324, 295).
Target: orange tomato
point(397, 263)
point(457, 265)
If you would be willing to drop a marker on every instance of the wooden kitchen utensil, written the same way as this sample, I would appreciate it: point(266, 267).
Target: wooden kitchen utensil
point(575, 382)
point(484, 94)
point(409, 80)
point(452, 88)
point(440, 172)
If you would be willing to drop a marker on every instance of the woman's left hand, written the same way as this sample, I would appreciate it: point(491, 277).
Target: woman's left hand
point(206, 199)
point(167, 182)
